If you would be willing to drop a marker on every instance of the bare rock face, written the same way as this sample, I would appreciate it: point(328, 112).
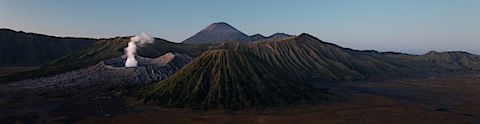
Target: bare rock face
point(108, 74)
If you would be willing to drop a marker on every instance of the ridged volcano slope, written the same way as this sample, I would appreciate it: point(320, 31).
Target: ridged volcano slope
point(309, 58)
point(228, 79)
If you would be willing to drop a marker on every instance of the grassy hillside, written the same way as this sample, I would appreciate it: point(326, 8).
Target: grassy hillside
point(227, 79)
point(28, 49)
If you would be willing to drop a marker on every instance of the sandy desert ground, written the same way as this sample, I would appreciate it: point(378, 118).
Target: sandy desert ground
point(451, 98)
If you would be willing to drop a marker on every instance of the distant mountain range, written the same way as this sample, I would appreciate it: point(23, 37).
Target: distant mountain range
point(223, 32)
point(28, 49)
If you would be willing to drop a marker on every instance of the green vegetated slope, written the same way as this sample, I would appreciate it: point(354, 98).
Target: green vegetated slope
point(100, 50)
point(229, 79)
point(29, 49)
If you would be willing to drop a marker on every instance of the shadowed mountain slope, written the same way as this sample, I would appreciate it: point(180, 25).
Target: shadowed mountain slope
point(101, 50)
point(18, 48)
point(228, 79)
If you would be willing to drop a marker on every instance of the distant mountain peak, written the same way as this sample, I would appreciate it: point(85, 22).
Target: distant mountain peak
point(431, 52)
point(219, 23)
point(257, 35)
point(217, 32)
point(220, 27)
point(254, 37)
point(305, 35)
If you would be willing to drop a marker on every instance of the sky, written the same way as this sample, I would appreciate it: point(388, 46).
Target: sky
point(409, 26)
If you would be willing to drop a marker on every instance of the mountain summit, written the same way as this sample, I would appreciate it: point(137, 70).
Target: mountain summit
point(217, 32)
point(279, 35)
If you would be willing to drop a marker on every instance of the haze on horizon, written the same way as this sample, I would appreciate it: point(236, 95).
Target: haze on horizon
point(410, 26)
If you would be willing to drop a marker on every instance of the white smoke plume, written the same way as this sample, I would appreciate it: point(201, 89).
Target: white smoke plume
point(131, 50)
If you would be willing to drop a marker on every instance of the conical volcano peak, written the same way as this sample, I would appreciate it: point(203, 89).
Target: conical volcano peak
point(220, 27)
point(307, 36)
point(217, 32)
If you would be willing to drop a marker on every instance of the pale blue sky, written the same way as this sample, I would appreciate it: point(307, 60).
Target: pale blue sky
point(411, 26)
